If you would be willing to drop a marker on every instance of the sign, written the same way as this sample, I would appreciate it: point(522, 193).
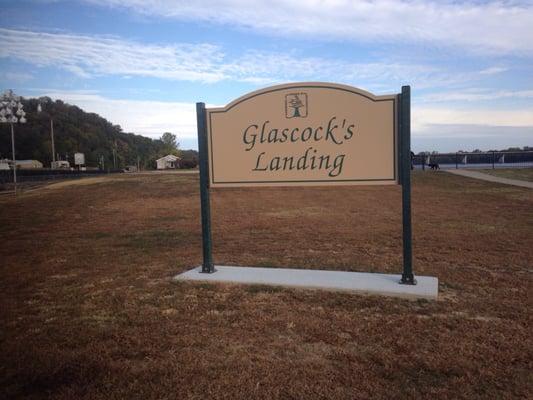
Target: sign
point(304, 134)
point(79, 159)
point(307, 134)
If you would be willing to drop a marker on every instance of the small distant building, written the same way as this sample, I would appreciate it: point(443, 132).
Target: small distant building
point(168, 162)
point(130, 168)
point(5, 164)
point(29, 164)
point(60, 165)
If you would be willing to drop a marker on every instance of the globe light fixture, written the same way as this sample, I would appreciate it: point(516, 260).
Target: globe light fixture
point(12, 112)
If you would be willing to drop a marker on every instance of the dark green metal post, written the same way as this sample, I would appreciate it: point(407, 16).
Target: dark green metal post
point(405, 180)
point(207, 265)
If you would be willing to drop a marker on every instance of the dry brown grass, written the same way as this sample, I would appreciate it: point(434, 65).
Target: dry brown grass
point(89, 309)
point(523, 174)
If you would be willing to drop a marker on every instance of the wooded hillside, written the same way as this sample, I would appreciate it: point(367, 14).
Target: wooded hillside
point(78, 131)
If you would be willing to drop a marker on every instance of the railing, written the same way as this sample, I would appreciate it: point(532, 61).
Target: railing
point(485, 160)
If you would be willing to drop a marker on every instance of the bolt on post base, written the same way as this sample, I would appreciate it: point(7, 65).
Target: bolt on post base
point(208, 269)
point(408, 279)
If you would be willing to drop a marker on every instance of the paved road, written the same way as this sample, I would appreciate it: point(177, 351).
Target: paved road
point(490, 178)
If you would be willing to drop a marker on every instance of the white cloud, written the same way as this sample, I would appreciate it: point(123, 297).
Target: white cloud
point(152, 118)
point(493, 70)
point(268, 67)
point(89, 56)
point(147, 118)
point(452, 138)
point(423, 118)
point(18, 77)
point(478, 95)
point(494, 27)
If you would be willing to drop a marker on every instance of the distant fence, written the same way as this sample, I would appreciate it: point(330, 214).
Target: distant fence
point(485, 160)
point(33, 175)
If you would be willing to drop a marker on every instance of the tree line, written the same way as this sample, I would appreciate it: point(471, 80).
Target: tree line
point(103, 143)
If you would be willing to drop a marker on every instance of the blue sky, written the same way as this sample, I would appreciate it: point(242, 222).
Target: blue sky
point(143, 64)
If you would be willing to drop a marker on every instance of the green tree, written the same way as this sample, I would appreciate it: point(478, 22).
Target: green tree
point(75, 130)
point(169, 139)
point(170, 144)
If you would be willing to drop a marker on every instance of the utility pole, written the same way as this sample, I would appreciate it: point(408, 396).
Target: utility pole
point(53, 146)
point(14, 159)
point(39, 109)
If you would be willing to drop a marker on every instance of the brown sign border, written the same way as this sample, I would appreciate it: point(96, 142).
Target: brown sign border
point(326, 182)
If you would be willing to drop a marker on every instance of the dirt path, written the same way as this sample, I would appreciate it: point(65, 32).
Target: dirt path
point(491, 178)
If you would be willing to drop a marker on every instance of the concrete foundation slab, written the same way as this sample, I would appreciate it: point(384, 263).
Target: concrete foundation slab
point(364, 282)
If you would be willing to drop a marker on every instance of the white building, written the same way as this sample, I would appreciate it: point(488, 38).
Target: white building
point(29, 164)
point(168, 162)
point(130, 168)
point(5, 164)
point(60, 165)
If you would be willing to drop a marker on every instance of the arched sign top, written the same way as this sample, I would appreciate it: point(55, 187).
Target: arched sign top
point(308, 133)
point(296, 85)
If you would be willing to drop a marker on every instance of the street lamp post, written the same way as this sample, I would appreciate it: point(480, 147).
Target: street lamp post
point(11, 112)
point(53, 164)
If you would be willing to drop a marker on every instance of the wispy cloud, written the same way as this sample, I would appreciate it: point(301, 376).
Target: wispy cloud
point(424, 118)
point(493, 70)
point(152, 118)
point(147, 118)
point(269, 67)
point(452, 138)
point(478, 95)
point(18, 77)
point(90, 56)
point(493, 27)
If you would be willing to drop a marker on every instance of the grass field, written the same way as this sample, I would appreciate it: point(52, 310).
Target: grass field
point(524, 174)
point(89, 309)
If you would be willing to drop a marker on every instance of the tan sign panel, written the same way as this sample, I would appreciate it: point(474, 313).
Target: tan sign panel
point(304, 134)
